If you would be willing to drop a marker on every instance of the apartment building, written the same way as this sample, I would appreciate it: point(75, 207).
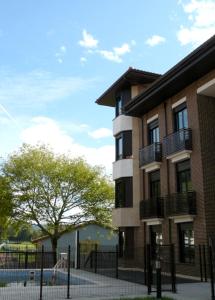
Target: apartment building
point(164, 170)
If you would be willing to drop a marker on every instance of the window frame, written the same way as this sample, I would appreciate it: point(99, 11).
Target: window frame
point(153, 182)
point(125, 138)
point(151, 128)
point(124, 197)
point(186, 250)
point(126, 242)
point(119, 146)
point(119, 100)
point(178, 110)
point(183, 168)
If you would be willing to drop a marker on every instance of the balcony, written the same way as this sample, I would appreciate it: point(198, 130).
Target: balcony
point(180, 204)
point(152, 208)
point(150, 157)
point(178, 145)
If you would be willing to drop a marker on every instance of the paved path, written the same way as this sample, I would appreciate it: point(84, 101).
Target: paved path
point(102, 287)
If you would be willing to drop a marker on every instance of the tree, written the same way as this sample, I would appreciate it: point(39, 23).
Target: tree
point(56, 192)
point(6, 205)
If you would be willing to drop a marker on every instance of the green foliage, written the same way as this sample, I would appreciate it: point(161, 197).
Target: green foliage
point(6, 205)
point(55, 191)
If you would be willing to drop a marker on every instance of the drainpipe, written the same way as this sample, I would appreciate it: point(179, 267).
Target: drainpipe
point(167, 174)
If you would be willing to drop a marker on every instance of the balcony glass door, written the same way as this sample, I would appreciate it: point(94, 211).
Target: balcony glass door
point(184, 183)
point(156, 239)
point(154, 184)
point(153, 132)
point(181, 120)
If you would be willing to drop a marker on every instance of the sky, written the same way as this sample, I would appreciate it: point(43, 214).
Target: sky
point(58, 56)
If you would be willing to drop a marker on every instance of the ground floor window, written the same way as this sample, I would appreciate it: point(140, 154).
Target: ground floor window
point(186, 242)
point(156, 238)
point(126, 242)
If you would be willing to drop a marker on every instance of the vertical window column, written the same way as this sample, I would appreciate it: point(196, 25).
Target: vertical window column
point(184, 183)
point(186, 242)
point(124, 145)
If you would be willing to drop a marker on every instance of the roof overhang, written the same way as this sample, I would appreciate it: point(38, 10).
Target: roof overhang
point(130, 77)
point(200, 62)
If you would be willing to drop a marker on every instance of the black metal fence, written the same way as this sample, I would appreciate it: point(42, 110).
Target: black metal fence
point(33, 275)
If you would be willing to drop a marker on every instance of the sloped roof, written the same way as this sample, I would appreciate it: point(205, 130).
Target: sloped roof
point(131, 76)
point(76, 227)
point(191, 68)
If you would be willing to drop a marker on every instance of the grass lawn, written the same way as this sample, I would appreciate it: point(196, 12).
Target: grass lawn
point(19, 246)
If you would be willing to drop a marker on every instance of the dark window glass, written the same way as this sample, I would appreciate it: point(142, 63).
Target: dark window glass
point(119, 147)
point(126, 242)
point(124, 145)
point(180, 116)
point(153, 132)
point(184, 183)
point(186, 242)
point(154, 184)
point(118, 106)
point(124, 192)
point(156, 238)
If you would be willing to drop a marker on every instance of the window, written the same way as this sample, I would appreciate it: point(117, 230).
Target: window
point(186, 242)
point(126, 242)
point(118, 105)
point(122, 98)
point(180, 117)
point(124, 192)
point(119, 148)
point(156, 238)
point(153, 132)
point(124, 145)
point(184, 183)
point(154, 184)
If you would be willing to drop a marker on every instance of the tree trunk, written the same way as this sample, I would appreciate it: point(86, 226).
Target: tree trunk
point(54, 249)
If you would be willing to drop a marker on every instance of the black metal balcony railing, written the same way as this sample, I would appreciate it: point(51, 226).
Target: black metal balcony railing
point(177, 141)
point(181, 204)
point(152, 208)
point(149, 154)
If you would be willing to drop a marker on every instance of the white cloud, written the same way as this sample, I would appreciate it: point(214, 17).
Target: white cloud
point(38, 87)
point(100, 133)
point(61, 53)
point(63, 49)
point(117, 53)
point(47, 131)
point(200, 14)
point(155, 40)
point(83, 60)
point(88, 41)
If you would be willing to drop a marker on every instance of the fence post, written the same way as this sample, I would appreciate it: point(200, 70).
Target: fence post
point(211, 272)
point(117, 262)
point(68, 271)
point(95, 258)
point(158, 277)
point(78, 251)
point(149, 269)
point(173, 276)
point(204, 262)
point(26, 259)
point(19, 261)
point(145, 266)
point(41, 273)
point(200, 262)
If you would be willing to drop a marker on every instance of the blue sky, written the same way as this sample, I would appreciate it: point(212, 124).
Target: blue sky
point(58, 56)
